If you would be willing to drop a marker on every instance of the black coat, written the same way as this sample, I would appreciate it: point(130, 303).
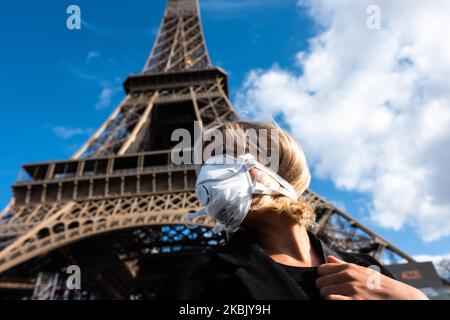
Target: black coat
point(241, 270)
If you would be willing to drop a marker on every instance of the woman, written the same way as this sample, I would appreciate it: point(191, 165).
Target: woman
point(271, 254)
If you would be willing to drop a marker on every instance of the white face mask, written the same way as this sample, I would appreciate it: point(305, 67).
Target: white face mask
point(224, 186)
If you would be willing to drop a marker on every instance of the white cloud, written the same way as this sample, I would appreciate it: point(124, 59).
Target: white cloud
point(92, 27)
point(427, 257)
point(77, 71)
point(440, 262)
point(105, 96)
point(109, 88)
point(372, 107)
point(92, 55)
point(68, 132)
point(338, 204)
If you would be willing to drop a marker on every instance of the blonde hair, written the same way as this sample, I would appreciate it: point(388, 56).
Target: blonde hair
point(292, 165)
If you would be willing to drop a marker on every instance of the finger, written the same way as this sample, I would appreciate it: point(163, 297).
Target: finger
point(337, 297)
point(334, 278)
point(332, 259)
point(330, 268)
point(339, 289)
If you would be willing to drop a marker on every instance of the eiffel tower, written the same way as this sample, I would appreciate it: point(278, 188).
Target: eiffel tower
point(116, 208)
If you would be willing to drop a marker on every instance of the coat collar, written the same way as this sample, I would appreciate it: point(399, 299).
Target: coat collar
point(263, 278)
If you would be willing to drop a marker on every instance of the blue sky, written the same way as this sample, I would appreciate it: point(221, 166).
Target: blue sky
point(58, 85)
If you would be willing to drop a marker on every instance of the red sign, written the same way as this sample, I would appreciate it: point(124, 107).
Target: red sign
point(411, 275)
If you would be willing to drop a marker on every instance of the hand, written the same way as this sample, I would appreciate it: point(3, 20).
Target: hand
point(339, 280)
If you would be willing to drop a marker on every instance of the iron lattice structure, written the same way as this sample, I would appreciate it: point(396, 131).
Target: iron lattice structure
point(116, 208)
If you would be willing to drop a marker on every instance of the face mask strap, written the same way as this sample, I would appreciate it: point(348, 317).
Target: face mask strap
point(286, 188)
point(191, 216)
point(218, 228)
point(259, 188)
point(249, 161)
